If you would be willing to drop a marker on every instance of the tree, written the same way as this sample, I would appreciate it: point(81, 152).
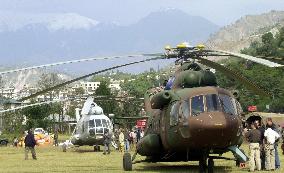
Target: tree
point(37, 116)
point(269, 45)
point(109, 106)
point(79, 91)
point(12, 121)
point(270, 79)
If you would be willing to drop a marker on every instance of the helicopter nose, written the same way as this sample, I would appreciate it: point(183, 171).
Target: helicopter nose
point(214, 129)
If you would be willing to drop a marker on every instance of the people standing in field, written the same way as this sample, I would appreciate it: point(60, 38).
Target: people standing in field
point(55, 137)
point(254, 139)
point(15, 141)
point(138, 135)
point(272, 138)
point(126, 140)
point(261, 128)
point(107, 141)
point(142, 133)
point(30, 143)
point(132, 136)
point(121, 140)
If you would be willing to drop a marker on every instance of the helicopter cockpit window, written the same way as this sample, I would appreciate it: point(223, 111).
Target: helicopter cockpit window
point(109, 124)
point(99, 130)
point(174, 114)
point(98, 123)
point(212, 103)
point(91, 123)
point(104, 123)
point(227, 104)
point(197, 105)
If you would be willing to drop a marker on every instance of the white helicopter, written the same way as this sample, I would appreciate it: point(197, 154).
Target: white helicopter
point(91, 126)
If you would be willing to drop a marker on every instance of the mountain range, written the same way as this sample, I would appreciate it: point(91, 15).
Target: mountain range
point(56, 37)
point(44, 38)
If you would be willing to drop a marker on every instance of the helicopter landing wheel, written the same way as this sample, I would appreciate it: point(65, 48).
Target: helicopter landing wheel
point(202, 165)
point(127, 162)
point(210, 165)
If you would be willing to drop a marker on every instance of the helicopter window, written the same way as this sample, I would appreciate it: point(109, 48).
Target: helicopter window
point(104, 123)
point(99, 130)
point(212, 103)
point(98, 123)
point(197, 105)
point(184, 110)
point(174, 114)
point(91, 123)
point(227, 104)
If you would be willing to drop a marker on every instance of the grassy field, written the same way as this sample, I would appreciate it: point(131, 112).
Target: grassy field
point(52, 159)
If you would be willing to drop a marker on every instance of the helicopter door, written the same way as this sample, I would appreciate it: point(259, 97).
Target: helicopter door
point(164, 128)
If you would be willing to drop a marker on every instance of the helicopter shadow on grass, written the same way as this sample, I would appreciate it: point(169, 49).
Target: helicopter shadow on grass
point(167, 167)
point(83, 150)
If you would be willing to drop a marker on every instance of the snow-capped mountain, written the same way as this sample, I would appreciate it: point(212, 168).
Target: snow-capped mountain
point(52, 21)
point(46, 38)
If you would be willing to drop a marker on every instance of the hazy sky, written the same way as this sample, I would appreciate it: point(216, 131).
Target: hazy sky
point(221, 12)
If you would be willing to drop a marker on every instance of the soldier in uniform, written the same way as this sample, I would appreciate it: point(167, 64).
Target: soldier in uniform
point(254, 139)
point(107, 141)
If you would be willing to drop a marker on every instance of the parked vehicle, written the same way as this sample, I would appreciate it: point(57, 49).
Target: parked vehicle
point(4, 142)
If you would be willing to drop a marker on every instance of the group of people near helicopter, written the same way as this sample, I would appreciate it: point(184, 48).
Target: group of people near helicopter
point(263, 145)
point(127, 139)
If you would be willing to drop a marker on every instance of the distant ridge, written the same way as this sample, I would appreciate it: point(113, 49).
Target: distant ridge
point(247, 29)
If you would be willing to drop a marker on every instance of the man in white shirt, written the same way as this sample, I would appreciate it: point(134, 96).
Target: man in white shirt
point(270, 137)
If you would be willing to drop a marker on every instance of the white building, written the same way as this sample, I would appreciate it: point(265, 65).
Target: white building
point(90, 87)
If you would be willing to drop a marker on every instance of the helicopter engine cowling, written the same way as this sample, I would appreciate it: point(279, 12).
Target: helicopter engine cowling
point(190, 79)
point(160, 99)
point(149, 145)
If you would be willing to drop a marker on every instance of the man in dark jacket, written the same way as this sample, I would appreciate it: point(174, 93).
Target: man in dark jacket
point(30, 145)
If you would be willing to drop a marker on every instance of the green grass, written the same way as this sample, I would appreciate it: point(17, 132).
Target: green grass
point(52, 159)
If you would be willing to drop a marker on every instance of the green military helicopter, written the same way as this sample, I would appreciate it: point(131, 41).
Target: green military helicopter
point(191, 118)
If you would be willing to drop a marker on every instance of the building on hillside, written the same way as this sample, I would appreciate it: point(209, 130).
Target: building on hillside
point(8, 92)
point(90, 87)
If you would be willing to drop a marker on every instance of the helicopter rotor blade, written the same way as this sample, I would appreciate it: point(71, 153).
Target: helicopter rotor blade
point(85, 76)
point(71, 62)
point(236, 76)
point(31, 105)
point(251, 58)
